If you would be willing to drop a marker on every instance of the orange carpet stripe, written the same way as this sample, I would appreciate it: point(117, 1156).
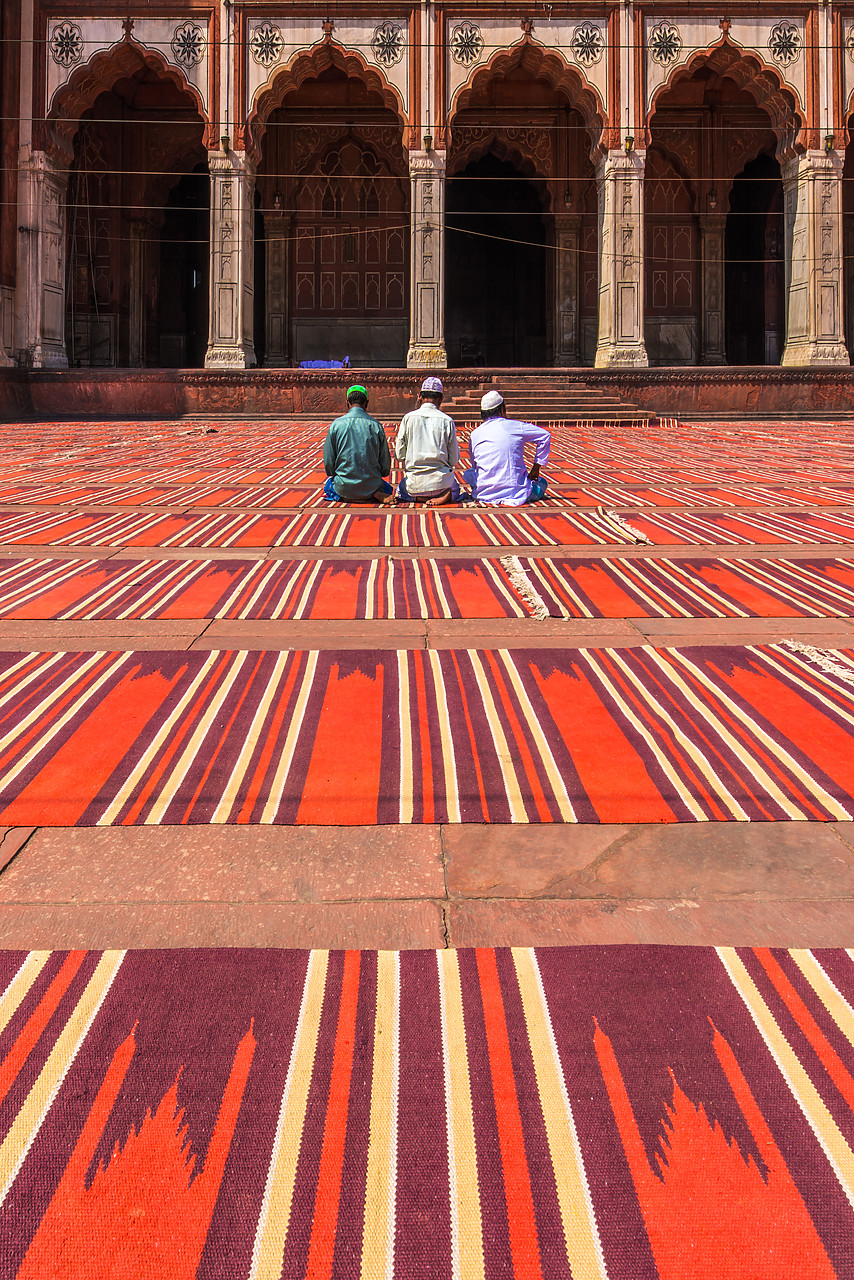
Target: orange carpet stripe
point(61, 792)
point(254, 788)
point(827, 1055)
point(347, 744)
point(33, 1028)
point(522, 1224)
point(321, 1249)
point(522, 747)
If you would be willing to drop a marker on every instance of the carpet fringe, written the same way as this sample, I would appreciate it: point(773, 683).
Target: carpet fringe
point(622, 526)
point(525, 588)
point(822, 658)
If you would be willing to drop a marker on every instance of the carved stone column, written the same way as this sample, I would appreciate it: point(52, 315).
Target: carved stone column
point(277, 227)
point(232, 288)
point(41, 274)
point(812, 202)
point(712, 257)
point(567, 248)
point(427, 239)
point(619, 180)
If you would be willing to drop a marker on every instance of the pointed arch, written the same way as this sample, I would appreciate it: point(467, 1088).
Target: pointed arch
point(308, 64)
point(543, 64)
point(748, 70)
point(79, 93)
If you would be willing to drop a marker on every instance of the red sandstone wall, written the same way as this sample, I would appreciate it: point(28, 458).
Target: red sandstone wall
point(175, 393)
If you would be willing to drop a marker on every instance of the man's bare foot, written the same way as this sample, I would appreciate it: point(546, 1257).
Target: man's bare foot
point(442, 500)
point(383, 499)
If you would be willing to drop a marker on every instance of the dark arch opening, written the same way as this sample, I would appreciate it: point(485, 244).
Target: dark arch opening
point(183, 292)
point(495, 281)
point(755, 285)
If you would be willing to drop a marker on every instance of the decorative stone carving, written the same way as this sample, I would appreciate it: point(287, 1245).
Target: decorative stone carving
point(466, 44)
point(427, 318)
point(812, 203)
point(66, 44)
point(230, 342)
point(266, 44)
point(587, 44)
point(43, 213)
point(785, 43)
point(665, 44)
point(619, 181)
point(388, 44)
point(532, 144)
point(189, 44)
point(849, 43)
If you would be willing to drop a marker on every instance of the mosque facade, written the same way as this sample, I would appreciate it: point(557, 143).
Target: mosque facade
point(426, 185)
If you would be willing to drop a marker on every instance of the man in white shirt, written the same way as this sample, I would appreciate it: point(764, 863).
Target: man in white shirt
point(498, 476)
point(427, 447)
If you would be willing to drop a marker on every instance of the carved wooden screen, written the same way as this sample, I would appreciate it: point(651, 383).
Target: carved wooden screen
point(672, 279)
point(350, 239)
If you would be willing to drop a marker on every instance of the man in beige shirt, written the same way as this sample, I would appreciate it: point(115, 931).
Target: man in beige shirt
point(427, 447)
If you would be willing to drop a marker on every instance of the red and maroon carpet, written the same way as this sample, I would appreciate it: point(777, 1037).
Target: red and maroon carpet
point(758, 733)
point(623, 1113)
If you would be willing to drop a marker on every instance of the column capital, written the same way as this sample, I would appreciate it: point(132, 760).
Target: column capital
point(238, 163)
point(427, 164)
point(625, 164)
point(812, 164)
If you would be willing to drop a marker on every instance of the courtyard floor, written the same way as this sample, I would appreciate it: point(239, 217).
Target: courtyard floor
point(234, 716)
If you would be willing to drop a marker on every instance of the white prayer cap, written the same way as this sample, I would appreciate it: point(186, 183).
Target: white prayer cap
point(433, 385)
point(491, 400)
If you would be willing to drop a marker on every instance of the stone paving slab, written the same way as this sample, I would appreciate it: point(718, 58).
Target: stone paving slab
point(770, 884)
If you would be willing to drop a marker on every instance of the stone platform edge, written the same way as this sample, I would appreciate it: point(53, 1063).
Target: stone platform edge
point(178, 393)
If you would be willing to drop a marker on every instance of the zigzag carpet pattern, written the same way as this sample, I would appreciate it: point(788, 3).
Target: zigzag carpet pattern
point(635, 735)
point(622, 1113)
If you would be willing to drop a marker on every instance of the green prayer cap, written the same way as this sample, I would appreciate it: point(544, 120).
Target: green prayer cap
point(356, 387)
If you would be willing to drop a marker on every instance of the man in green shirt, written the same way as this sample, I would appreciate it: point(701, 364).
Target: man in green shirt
point(356, 455)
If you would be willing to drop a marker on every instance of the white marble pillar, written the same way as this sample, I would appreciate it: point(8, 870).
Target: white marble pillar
point(41, 260)
point(427, 284)
point(619, 181)
point(567, 276)
point(232, 287)
point(812, 202)
point(277, 229)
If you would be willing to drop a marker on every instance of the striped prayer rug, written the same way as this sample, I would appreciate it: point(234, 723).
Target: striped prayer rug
point(622, 1113)
point(636, 735)
point(385, 587)
point(405, 527)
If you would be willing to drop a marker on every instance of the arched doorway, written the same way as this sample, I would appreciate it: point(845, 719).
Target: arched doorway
point(522, 260)
point(181, 287)
point(755, 318)
point(495, 274)
point(334, 191)
point(713, 200)
point(137, 227)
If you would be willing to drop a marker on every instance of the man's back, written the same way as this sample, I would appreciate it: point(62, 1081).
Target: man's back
point(356, 454)
point(497, 450)
point(427, 447)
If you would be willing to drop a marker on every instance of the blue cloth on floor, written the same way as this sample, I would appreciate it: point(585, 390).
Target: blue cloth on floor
point(325, 364)
point(331, 496)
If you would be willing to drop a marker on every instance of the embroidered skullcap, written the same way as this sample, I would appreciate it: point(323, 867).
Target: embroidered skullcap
point(491, 400)
point(356, 387)
point(433, 385)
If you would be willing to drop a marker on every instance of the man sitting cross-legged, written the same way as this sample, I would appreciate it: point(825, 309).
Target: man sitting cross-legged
point(426, 445)
point(356, 455)
point(498, 476)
